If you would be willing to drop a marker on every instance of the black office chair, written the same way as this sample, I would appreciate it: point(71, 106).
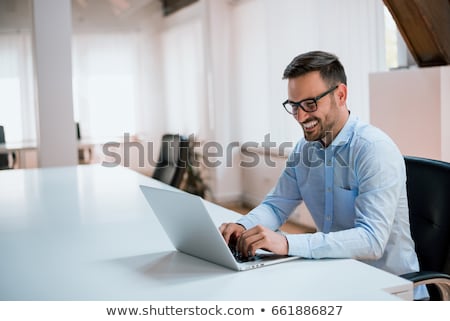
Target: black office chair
point(5, 162)
point(172, 162)
point(428, 187)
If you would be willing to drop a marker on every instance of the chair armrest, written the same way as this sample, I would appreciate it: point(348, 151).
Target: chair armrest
point(440, 280)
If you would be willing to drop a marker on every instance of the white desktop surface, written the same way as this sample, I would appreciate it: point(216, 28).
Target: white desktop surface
point(87, 233)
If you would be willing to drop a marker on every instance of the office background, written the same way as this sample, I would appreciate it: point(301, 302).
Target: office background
point(212, 69)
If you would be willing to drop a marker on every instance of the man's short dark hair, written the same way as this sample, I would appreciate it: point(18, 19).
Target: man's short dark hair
point(328, 65)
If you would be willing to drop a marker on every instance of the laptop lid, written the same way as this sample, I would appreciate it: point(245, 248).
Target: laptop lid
point(189, 226)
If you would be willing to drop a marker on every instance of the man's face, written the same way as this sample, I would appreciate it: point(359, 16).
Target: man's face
point(328, 118)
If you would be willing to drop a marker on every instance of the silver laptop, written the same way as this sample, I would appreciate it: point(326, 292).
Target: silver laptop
point(189, 226)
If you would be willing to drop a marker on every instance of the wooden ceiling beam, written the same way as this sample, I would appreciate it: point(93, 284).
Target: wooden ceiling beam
point(425, 27)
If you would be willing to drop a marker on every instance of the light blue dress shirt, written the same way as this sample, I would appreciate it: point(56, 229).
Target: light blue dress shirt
point(355, 190)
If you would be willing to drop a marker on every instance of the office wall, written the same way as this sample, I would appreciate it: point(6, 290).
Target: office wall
point(413, 107)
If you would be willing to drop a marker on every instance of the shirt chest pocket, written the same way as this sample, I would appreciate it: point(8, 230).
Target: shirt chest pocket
point(344, 207)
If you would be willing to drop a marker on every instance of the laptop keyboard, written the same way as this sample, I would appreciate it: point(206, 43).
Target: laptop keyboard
point(240, 258)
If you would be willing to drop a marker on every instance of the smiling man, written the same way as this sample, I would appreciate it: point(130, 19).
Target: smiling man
point(350, 175)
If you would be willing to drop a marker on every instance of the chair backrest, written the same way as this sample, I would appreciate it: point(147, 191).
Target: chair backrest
point(4, 160)
point(428, 187)
point(77, 125)
point(2, 135)
point(172, 162)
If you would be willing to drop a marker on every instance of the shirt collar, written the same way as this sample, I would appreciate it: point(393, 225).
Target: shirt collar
point(346, 132)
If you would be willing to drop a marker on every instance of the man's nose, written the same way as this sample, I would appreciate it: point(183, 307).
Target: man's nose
point(301, 115)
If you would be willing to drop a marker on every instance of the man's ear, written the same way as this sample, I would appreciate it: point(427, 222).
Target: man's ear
point(341, 93)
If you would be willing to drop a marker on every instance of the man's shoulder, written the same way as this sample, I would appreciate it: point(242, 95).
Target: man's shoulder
point(372, 142)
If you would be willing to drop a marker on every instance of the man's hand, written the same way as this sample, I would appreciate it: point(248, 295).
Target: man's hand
point(260, 237)
point(231, 231)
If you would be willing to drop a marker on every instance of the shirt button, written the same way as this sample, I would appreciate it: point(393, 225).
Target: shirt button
point(328, 217)
point(328, 189)
point(329, 163)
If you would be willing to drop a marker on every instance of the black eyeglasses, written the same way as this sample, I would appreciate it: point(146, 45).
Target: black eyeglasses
point(308, 105)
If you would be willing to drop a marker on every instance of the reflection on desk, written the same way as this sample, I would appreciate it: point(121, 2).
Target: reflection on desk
point(87, 233)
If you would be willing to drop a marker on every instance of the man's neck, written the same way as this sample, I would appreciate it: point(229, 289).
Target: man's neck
point(331, 135)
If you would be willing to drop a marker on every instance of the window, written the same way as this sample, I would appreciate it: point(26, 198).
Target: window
point(17, 108)
point(397, 53)
point(117, 68)
point(105, 78)
point(184, 84)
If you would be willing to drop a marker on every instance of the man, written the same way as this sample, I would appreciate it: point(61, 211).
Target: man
point(350, 175)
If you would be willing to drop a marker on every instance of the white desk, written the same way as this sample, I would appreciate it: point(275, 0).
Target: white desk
point(87, 233)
